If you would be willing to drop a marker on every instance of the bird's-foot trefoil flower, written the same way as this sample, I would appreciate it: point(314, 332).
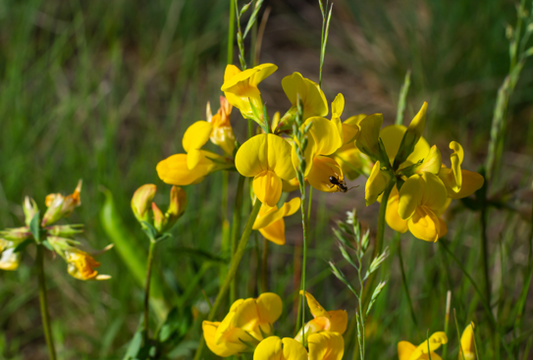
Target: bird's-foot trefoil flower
point(266, 158)
point(222, 132)
point(408, 351)
point(333, 320)
point(247, 323)
point(270, 221)
point(324, 345)
point(240, 88)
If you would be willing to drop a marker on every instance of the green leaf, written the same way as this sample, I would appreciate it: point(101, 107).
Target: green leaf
point(35, 228)
point(150, 230)
point(47, 245)
point(133, 254)
point(176, 326)
point(20, 247)
point(135, 345)
point(253, 18)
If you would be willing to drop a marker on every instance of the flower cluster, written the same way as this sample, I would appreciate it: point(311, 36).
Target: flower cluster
point(58, 238)
point(421, 185)
point(248, 327)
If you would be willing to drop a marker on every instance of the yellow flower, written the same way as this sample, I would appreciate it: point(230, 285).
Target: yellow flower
point(313, 99)
point(413, 134)
point(240, 87)
point(323, 140)
point(9, 259)
point(422, 199)
point(368, 136)
point(459, 183)
point(266, 158)
point(322, 346)
point(270, 221)
point(274, 348)
point(60, 206)
point(222, 132)
point(352, 161)
point(377, 182)
point(467, 344)
point(392, 137)
point(81, 265)
point(244, 326)
point(141, 201)
point(174, 170)
point(334, 320)
point(391, 215)
point(407, 351)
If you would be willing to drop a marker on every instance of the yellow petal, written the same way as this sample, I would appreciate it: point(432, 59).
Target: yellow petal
point(367, 140)
point(391, 216)
point(433, 343)
point(432, 162)
point(265, 152)
point(337, 106)
point(174, 170)
point(434, 194)
point(316, 309)
point(424, 224)
point(326, 346)
point(377, 183)
point(467, 344)
point(418, 123)
point(349, 133)
point(405, 349)
point(196, 135)
point(326, 136)
point(273, 348)
point(410, 196)
point(274, 232)
point(313, 99)
point(223, 349)
point(9, 259)
point(472, 182)
point(269, 307)
point(392, 137)
point(456, 159)
point(268, 215)
point(322, 169)
point(355, 120)
point(338, 320)
point(267, 187)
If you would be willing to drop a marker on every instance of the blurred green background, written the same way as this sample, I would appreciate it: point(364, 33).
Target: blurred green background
point(103, 90)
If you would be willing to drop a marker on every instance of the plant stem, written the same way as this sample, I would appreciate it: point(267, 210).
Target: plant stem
point(404, 280)
point(482, 196)
point(147, 289)
point(235, 231)
point(236, 260)
point(231, 31)
point(43, 300)
point(378, 248)
point(304, 258)
point(264, 266)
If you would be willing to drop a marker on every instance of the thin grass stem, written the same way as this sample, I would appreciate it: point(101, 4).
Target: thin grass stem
point(404, 280)
point(231, 31)
point(235, 231)
point(146, 304)
point(43, 300)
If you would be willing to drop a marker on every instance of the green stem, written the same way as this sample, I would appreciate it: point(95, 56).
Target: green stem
point(147, 289)
point(404, 280)
point(264, 266)
point(378, 248)
point(231, 31)
point(236, 260)
point(43, 300)
point(235, 230)
point(304, 259)
point(484, 241)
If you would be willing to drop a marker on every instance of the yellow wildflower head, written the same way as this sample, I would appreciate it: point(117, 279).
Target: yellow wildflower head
point(222, 132)
point(368, 137)
point(270, 221)
point(81, 265)
point(391, 215)
point(240, 87)
point(407, 351)
point(422, 200)
point(60, 206)
point(392, 137)
point(313, 99)
point(244, 326)
point(412, 135)
point(9, 259)
point(326, 345)
point(468, 344)
point(459, 183)
point(266, 158)
point(334, 320)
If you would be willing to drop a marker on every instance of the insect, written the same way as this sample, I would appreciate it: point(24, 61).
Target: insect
point(340, 184)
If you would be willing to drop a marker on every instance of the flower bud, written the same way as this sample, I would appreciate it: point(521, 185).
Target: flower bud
point(65, 230)
point(141, 201)
point(178, 204)
point(411, 136)
point(30, 209)
point(60, 206)
point(16, 235)
point(160, 220)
